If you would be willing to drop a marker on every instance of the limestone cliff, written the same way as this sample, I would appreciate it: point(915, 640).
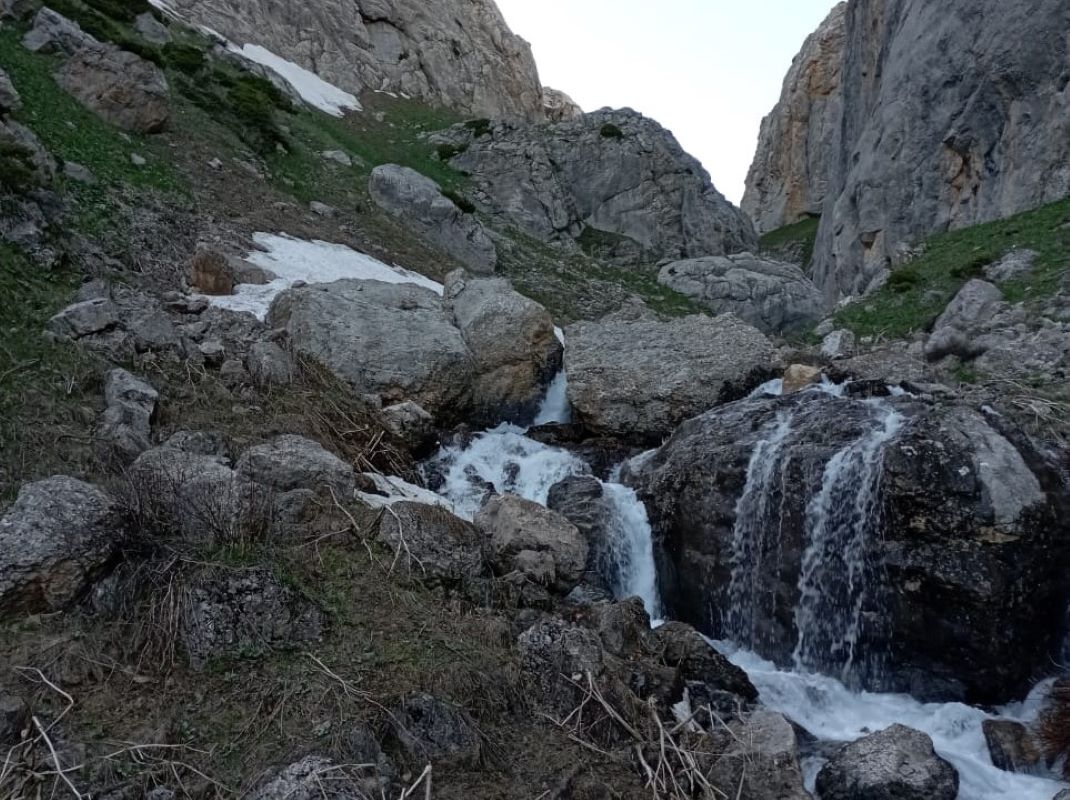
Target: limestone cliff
point(950, 114)
point(789, 176)
point(455, 53)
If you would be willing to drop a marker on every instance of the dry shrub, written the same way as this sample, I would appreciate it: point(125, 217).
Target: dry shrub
point(1054, 726)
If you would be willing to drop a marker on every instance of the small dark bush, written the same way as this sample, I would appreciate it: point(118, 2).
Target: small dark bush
point(448, 151)
point(122, 10)
point(255, 112)
point(265, 87)
point(16, 167)
point(973, 268)
point(480, 127)
point(185, 58)
point(611, 131)
point(903, 280)
point(459, 200)
point(106, 29)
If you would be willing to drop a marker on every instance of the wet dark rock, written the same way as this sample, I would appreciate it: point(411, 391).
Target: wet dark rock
point(679, 645)
point(1011, 745)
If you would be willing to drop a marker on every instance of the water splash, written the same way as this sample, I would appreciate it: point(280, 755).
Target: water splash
point(630, 561)
point(839, 521)
point(555, 407)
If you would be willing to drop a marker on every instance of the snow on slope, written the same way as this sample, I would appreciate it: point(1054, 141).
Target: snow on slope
point(293, 260)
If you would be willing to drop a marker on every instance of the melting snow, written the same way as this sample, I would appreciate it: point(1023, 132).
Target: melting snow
point(313, 89)
point(293, 260)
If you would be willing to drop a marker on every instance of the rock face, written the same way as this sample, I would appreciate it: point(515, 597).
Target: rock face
point(525, 537)
point(512, 340)
point(418, 201)
point(56, 538)
point(393, 340)
point(558, 106)
point(944, 515)
point(895, 764)
point(614, 174)
point(984, 146)
point(788, 179)
point(642, 378)
point(460, 55)
point(772, 296)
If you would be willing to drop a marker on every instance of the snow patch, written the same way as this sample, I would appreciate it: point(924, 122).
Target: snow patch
point(293, 260)
point(313, 89)
point(390, 490)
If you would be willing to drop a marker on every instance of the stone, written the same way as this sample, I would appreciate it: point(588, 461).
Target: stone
point(555, 653)
point(291, 462)
point(581, 500)
point(85, 318)
point(152, 30)
point(969, 313)
point(393, 340)
point(799, 376)
point(839, 344)
point(761, 759)
point(679, 645)
point(78, 173)
point(462, 57)
point(1011, 745)
point(964, 517)
point(512, 341)
point(788, 179)
point(432, 730)
point(309, 779)
point(186, 493)
point(772, 296)
point(9, 96)
point(270, 365)
point(138, 160)
point(54, 33)
point(201, 443)
point(523, 536)
point(410, 423)
point(613, 179)
point(35, 157)
point(898, 763)
point(120, 86)
point(420, 204)
point(1014, 264)
point(16, 9)
point(641, 379)
point(430, 543)
point(126, 426)
point(338, 157)
point(322, 209)
point(55, 540)
point(558, 106)
point(243, 613)
point(14, 717)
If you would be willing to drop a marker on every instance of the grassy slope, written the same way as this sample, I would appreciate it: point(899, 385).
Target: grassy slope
point(794, 242)
point(920, 290)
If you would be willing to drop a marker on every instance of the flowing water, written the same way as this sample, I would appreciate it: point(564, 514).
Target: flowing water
point(840, 515)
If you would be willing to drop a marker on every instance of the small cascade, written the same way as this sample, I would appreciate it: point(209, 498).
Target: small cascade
point(757, 522)
point(555, 407)
point(632, 568)
point(839, 521)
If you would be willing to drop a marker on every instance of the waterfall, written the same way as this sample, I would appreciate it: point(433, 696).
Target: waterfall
point(555, 406)
point(756, 522)
point(633, 571)
point(839, 520)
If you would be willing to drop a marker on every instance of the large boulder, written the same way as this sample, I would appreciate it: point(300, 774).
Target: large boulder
point(898, 763)
point(512, 341)
point(968, 314)
point(123, 88)
point(887, 542)
point(126, 427)
point(393, 340)
point(54, 33)
point(761, 759)
point(429, 543)
point(522, 536)
point(610, 177)
point(288, 463)
point(180, 491)
point(642, 378)
point(770, 295)
point(56, 538)
point(420, 204)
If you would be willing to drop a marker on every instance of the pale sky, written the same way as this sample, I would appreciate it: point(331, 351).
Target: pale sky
point(708, 70)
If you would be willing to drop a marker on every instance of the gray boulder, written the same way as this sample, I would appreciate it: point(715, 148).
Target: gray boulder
point(54, 33)
point(9, 96)
point(898, 763)
point(287, 463)
point(968, 314)
point(245, 613)
point(56, 538)
point(1012, 746)
point(185, 493)
point(312, 778)
point(616, 173)
point(761, 759)
point(681, 646)
point(773, 296)
point(430, 543)
point(432, 730)
point(512, 341)
point(152, 30)
point(121, 87)
point(643, 378)
point(410, 423)
point(839, 344)
point(418, 201)
point(126, 426)
point(16, 9)
point(522, 536)
point(85, 318)
point(393, 340)
point(270, 365)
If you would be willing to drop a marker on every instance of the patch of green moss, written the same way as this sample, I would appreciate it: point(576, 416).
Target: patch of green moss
point(108, 21)
point(448, 151)
point(459, 200)
point(611, 131)
point(184, 57)
point(480, 127)
point(793, 242)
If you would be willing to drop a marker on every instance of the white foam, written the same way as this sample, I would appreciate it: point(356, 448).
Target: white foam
point(315, 91)
point(293, 260)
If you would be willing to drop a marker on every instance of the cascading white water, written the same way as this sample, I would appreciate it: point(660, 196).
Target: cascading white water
point(839, 520)
point(635, 573)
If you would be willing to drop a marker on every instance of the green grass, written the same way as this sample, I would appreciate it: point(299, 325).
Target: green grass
point(920, 290)
point(796, 240)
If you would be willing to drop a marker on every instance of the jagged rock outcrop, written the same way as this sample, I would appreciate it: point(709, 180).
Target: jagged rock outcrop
point(642, 378)
point(788, 179)
point(125, 431)
point(558, 106)
point(461, 55)
point(773, 296)
point(950, 115)
point(612, 179)
point(942, 515)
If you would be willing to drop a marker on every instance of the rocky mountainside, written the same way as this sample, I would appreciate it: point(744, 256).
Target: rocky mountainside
point(939, 120)
point(460, 55)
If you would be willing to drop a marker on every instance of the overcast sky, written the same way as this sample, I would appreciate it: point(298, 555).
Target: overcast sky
point(708, 70)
